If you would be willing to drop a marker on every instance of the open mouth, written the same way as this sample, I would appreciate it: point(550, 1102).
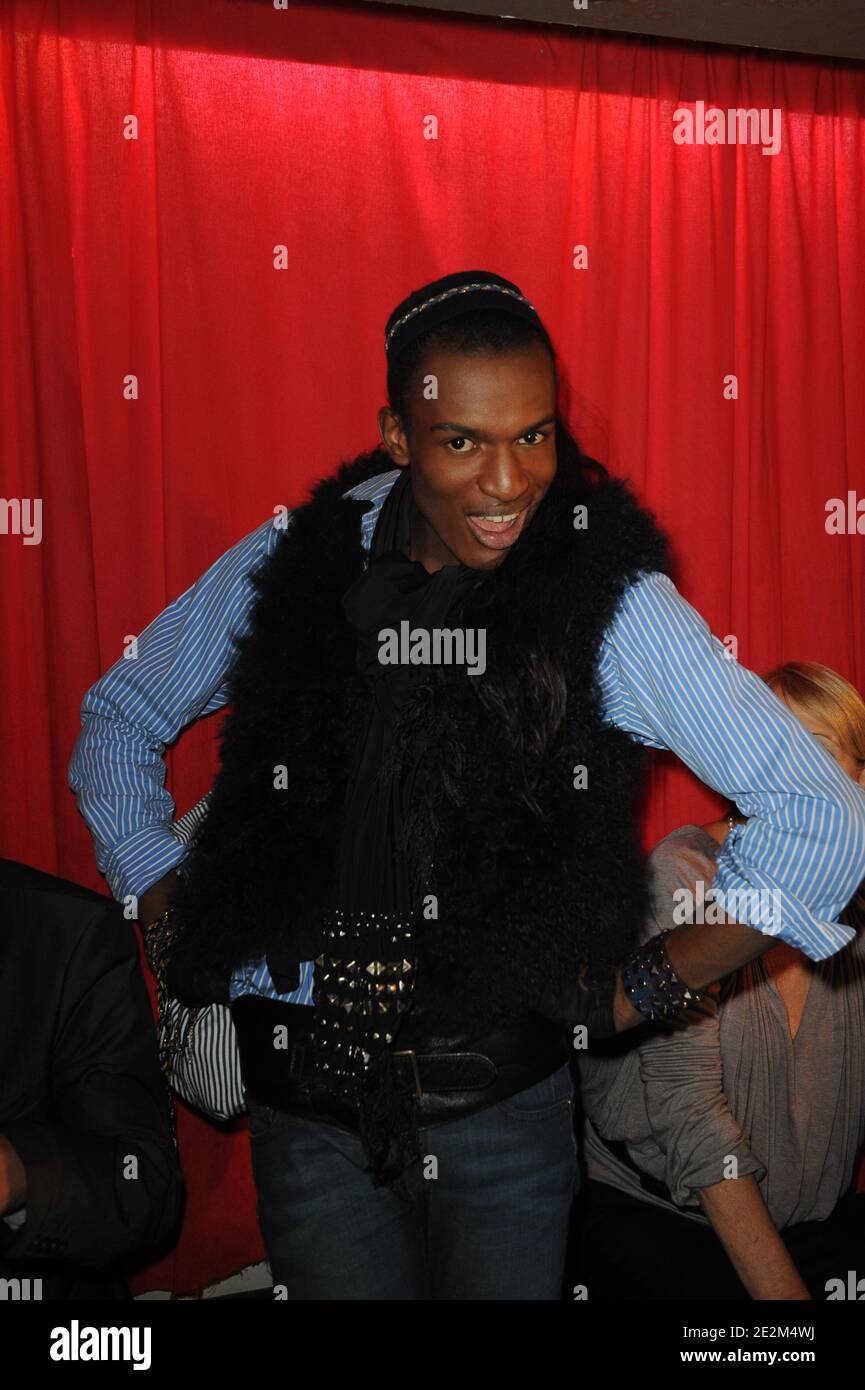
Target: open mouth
point(497, 531)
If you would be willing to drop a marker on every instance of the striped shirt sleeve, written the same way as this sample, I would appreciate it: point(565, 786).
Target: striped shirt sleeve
point(670, 683)
point(140, 705)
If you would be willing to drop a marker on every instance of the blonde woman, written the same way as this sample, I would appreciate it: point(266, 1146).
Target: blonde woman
point(722, 1154)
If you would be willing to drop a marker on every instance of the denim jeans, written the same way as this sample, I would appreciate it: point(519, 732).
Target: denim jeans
point(483, 1214)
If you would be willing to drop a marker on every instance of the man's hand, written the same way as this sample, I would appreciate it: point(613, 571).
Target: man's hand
point(153, 903)
point(13, 1178)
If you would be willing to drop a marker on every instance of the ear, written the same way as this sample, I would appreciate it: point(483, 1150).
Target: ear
point(393, 437)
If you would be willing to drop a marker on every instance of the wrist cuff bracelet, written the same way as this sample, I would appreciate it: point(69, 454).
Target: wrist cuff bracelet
point(652, 986)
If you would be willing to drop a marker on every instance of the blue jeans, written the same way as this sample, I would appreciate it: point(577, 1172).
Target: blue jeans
point(483, 1214)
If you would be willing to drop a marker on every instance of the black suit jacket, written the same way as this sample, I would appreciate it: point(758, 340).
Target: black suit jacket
point(82, 1097)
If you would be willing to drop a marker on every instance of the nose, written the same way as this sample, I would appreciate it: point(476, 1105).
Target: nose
point(502, 476)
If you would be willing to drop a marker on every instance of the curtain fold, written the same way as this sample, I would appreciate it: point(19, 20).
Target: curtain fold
point(209, 209)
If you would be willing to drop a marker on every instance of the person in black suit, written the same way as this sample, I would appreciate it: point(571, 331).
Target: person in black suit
point(88, 1173)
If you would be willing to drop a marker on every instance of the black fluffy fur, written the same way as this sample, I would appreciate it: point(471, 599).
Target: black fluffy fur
point(532, 877)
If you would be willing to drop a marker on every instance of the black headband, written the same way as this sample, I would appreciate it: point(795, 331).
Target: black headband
point(450, 296)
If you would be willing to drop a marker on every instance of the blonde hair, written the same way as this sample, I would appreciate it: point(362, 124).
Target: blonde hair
point(824, 696)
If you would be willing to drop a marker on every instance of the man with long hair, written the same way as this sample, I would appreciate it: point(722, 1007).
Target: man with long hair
point(419, 871)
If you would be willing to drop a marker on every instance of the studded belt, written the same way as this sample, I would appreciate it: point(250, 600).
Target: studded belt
point(447, 1081)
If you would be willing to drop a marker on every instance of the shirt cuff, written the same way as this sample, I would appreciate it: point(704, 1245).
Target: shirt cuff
point(142, 860)
point(775, 912)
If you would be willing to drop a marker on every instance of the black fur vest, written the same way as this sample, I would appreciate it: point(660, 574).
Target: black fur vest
point(526, 890)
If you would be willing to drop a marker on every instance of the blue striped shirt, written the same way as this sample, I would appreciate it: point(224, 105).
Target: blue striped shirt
point(664, 679)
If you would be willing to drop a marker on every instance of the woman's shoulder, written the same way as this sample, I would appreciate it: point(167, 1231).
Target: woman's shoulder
point(682, 848)
point(683, 859)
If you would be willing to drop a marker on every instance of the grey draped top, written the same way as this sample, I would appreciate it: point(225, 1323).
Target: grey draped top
point(733, 1093)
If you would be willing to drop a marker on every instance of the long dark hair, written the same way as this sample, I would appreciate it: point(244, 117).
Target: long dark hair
point(520, 602)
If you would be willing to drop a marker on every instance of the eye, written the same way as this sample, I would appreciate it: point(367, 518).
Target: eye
point(460, 439)
point(538, 437)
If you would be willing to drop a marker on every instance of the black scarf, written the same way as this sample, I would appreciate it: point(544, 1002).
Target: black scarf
point(365, 976)
point(374, 872)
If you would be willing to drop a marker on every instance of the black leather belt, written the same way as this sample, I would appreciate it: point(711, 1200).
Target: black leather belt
point(447, 1082)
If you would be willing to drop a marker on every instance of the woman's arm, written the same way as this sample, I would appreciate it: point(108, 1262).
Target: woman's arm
point(693, 1126)
point(742, 1223)
point(707, 1153)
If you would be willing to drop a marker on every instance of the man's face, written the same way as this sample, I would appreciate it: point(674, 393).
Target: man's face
point(484, 449)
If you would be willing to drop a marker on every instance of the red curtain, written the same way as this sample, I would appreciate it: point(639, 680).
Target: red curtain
point(258, 128)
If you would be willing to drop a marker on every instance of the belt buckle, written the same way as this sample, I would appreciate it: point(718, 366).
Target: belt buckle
point(409, 1052)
